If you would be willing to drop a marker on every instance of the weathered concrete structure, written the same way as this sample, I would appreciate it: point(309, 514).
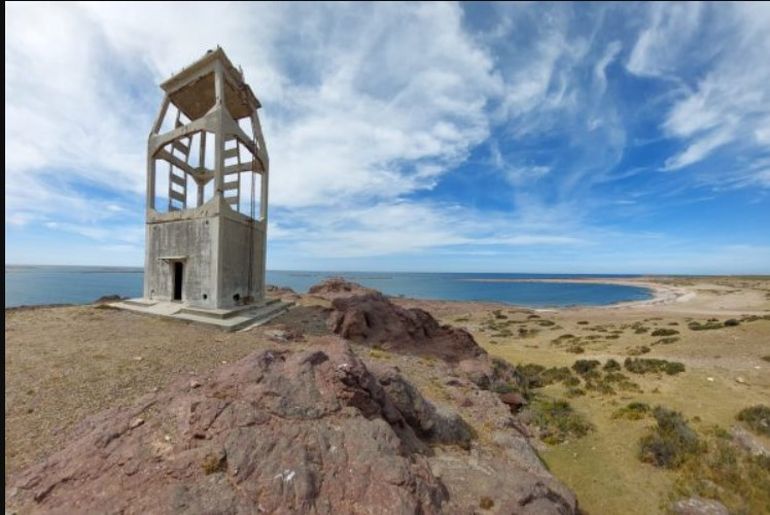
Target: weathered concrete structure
point(207, 183)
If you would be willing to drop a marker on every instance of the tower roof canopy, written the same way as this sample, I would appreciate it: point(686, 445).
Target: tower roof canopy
point(192, 89)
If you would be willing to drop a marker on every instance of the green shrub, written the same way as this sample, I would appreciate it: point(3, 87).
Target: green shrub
point(731, 322)
point(671, 442)
point(583, 366)
point(664, 332)
point(711, 324)
point(639, 349)
point(575, 349)
point(555, 375)
point(666, 341)
point(633, 411)
point(583, 322)
point(645, 365)
point(673, 367)
point(545, 323)
point(611, 364)
point(728, 474)
point(558, 421)
point(766, 358)
point(757, 418)
point(499, 315)
point(571, 381)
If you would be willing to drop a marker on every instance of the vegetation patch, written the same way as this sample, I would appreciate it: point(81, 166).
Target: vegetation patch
point(633, 411)
point(726, 473)
point(711, 323)
point(650, 365)
point(537, 376)
point(611, 365)
point(757, 418)
point(557, 421)
point(664, 332)
point(584, 366)
point(731, 322)
point(666, 341)
point(671, 442)
point(638, 350)
point(583, 322)
point(575, 349)
point(766, 358)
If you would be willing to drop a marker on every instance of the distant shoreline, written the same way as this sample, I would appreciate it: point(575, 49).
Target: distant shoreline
point(661, 293)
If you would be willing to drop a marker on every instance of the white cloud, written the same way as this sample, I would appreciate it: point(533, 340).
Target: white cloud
point(662, 46)
point(730, 103)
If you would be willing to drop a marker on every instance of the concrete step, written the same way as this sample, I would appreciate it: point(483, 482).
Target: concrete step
point(224, 312)
point(252, 317)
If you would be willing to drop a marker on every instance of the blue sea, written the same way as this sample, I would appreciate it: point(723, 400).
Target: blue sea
point(35, 285)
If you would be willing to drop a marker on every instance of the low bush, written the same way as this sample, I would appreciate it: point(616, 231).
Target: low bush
point(766, 358)
point(558, 421)
point(611, 364)
point(639, 349)
point(583, 366)
point(583, 322)
point(757, 418)
point(671, 442)
point(711, 324)
point(731, 322)
point(575, 349)
point(726, 473)
point(555, 375)
point(633, 411)
point(571, 381)
point(666, 341)
point(647, 365)
point(664, 332)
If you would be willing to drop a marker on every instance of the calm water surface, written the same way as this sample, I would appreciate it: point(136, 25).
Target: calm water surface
point(34, 285)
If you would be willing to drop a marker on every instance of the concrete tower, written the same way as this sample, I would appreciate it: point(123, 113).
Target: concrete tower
point(207, 178)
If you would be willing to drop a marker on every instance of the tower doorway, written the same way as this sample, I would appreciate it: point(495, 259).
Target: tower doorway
point(178, 278)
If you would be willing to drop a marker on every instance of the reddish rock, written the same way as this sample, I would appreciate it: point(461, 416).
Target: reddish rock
point(286, 432)
point(372, 318)
point(336, 287)
point(514, 400)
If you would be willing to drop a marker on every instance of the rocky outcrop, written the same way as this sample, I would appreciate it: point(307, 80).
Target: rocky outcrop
point(284, 432)
point(372, 318)
point(336, 287)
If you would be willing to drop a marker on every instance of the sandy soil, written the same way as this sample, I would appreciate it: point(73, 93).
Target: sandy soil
point(63, 363)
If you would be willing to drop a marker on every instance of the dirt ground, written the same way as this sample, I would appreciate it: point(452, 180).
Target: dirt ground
point(63, 363)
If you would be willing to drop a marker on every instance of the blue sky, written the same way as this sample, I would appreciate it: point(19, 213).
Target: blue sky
point(575, 138)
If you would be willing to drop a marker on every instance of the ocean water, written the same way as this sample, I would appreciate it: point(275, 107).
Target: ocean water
point(35, 285)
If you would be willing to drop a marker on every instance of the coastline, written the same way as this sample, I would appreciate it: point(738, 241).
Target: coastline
point(661, 293)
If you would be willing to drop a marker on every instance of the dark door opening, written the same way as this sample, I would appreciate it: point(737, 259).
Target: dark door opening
point(178, 276)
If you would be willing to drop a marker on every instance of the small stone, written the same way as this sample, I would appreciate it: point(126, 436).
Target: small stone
point(138, 421)
point(138, 358)
point(194, 384)
point(740, 380)
point(710, 379)
point(167, 438)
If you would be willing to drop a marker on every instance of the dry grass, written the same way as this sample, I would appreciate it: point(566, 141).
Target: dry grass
point(62, 364)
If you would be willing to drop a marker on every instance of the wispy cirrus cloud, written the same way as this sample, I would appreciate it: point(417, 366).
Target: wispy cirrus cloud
point(405, 129)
